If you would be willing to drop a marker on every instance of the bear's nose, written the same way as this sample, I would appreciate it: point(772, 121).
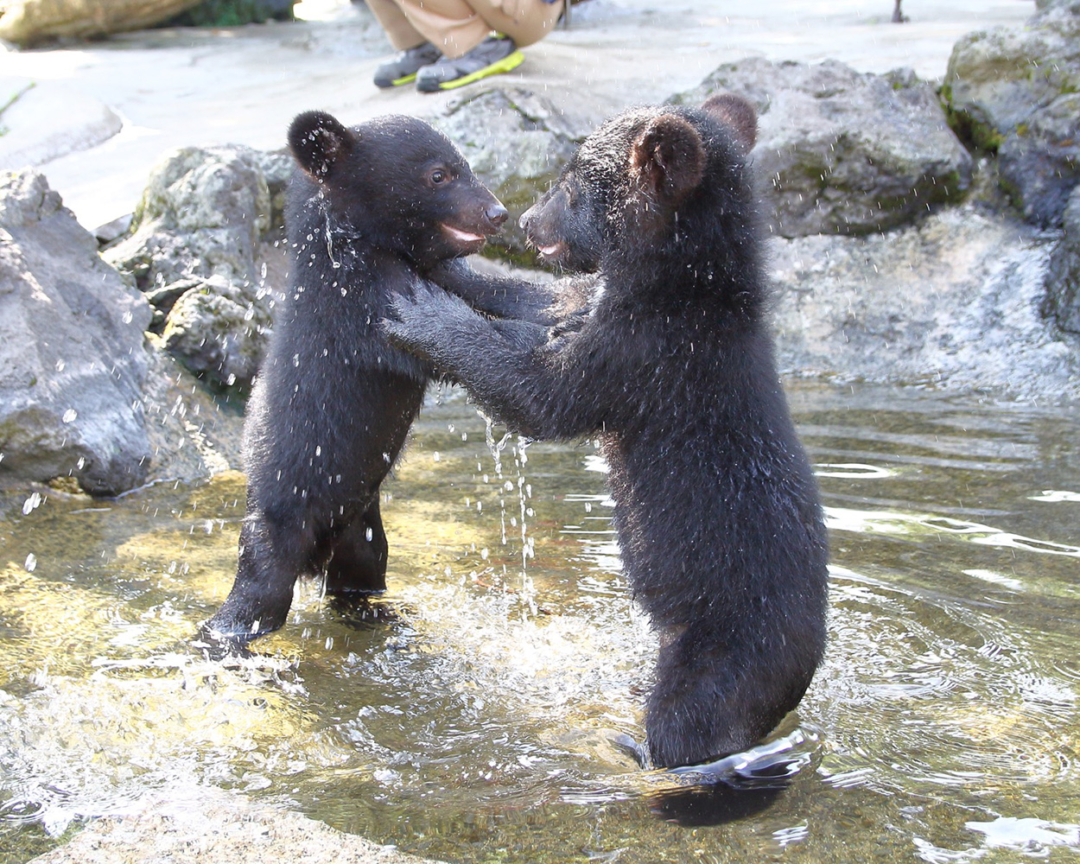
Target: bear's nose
point(496, 215)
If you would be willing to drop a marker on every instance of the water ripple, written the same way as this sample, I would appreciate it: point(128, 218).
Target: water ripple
point(917, 524)
point(938, 692)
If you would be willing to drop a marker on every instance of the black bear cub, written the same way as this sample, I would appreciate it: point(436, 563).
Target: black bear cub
point(369, 208)
point(672, 368)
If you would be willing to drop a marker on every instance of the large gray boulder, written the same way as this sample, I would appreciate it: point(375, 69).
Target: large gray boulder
point(843, 152)
point(956, 300)
point(73, 357)
point(1016, 91)
point(194, 249)
point(1063, 282)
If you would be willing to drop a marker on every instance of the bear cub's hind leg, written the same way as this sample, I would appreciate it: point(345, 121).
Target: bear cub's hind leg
point(357, 562)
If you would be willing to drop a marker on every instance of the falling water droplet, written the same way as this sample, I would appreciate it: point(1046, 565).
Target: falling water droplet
point(31, 563)
point(70, 415)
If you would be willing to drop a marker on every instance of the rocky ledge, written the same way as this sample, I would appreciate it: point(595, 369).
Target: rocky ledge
point(918, 236)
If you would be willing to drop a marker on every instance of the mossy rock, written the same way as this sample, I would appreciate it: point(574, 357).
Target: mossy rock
point(1013, 91)
point(843, 152)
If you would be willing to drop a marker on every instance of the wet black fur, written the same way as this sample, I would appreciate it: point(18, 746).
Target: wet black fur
point(334, 400)
point(717, 510)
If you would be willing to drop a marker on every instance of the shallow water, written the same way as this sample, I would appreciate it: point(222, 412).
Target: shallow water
point(469, 714)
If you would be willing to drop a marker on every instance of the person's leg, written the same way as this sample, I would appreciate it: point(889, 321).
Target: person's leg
point(524, 21)
point(462, 31)
point(455, 27)
point(452, 26)
point(415, 51)
point(399, 31)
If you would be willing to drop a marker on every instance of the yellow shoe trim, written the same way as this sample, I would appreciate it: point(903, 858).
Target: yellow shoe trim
point(404, 79)
point(510, 61)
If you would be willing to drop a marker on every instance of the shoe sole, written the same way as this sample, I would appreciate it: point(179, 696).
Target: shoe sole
point(396, 82)
point(509, 62)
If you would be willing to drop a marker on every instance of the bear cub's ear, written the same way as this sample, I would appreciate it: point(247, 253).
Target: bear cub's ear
point(737, 114)
point(667, 160)
point(319, 142)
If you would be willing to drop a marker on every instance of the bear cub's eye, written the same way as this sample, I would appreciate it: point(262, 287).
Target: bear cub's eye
point(439, 176)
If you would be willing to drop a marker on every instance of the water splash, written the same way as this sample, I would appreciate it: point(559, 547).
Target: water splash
point(524, 493)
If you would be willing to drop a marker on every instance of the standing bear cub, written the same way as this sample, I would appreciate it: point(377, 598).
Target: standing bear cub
point(671, 367)
point(369, 208)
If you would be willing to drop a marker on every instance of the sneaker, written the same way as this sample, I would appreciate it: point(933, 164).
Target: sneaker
point(494, 55)
point(403, 68)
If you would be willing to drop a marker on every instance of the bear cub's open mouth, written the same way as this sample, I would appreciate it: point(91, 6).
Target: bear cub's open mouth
point(467, 239)
point(550, 251)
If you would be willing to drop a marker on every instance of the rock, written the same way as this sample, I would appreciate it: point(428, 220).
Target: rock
point(113, 230)
point(1063, 282)
point(46, 120)
point(1043, 5)
point(163, 298)
point(220, 329)
point(516, 143)
point(1016, 91)
point(194, 433)
point(955, 300)
point(202, 213)
point(29, 22)
point(194, 247)
point(277, 167)
point(841, 151)
point(73, 358)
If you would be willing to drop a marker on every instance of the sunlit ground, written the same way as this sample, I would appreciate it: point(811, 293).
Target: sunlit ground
point(322, 10)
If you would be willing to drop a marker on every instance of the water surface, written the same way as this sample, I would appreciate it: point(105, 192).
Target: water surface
point(468, 715)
